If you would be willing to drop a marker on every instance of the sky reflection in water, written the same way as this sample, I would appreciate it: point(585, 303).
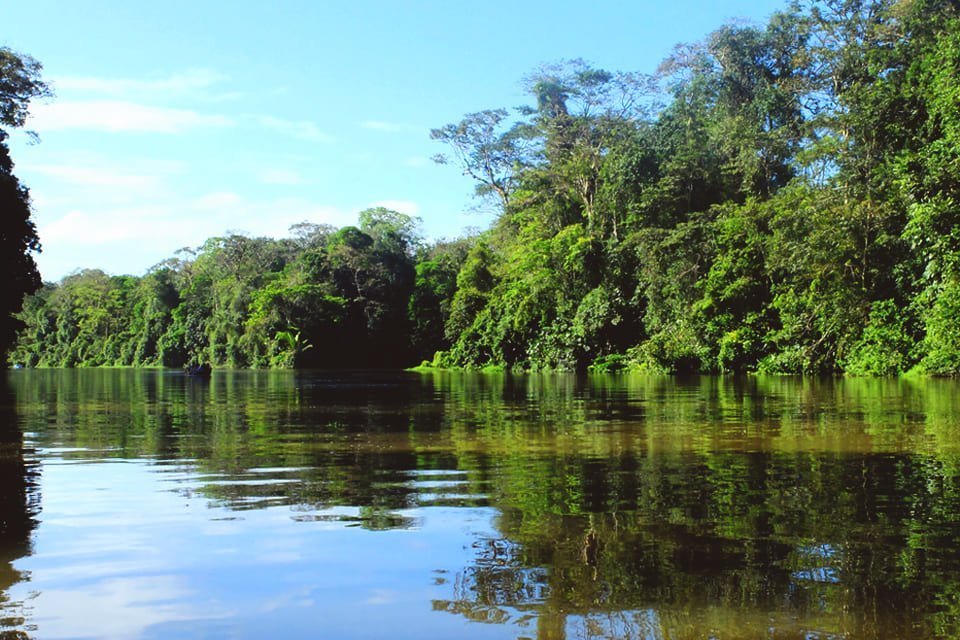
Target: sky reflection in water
point(455, 505)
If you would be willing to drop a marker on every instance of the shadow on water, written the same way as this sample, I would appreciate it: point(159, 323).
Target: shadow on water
point(19, 503)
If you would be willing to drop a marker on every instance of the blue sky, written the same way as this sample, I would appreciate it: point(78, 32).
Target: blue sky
point(177, 121)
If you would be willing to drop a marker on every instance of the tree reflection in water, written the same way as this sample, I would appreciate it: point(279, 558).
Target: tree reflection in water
point(624, 507)
point(801, 545)
point(19, 504)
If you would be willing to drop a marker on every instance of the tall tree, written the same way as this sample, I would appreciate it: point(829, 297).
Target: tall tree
point(19, 84)
point(489, 148)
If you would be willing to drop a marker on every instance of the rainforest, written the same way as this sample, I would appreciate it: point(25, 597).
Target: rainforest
point(780, 198)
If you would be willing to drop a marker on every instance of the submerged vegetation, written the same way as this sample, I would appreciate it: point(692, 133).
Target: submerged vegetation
point(781, 198)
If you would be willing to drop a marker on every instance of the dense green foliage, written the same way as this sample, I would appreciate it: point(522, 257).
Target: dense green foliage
point(19, 84)
point(327, 297)
point(781, 198)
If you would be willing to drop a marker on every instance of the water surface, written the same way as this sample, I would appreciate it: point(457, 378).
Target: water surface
point(145, 504)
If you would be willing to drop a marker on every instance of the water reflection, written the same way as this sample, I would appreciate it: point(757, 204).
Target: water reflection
point(19, 504)
point(482, 505)
point(825, 544)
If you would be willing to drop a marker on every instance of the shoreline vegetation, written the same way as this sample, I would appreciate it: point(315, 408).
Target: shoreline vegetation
point(782, 198)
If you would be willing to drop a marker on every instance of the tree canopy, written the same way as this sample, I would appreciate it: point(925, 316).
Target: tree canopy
point(19, 84)
point(778, 197)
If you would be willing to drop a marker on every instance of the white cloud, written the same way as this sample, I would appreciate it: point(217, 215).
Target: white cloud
point(403, 206)
point(139, 604)
point(302, 129)
point(187, 81)
point(198, 84)
point(120, 116)
point(416, 162)
point(95, 176)
point(80, 228)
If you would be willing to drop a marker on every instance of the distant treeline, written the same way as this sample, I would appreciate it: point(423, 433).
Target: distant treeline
point(350, 297)
point(783, 198)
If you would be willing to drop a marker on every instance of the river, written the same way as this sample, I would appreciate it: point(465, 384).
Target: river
point(148, 504)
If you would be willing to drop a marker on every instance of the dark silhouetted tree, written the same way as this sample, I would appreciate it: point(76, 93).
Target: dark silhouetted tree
point(19, 84)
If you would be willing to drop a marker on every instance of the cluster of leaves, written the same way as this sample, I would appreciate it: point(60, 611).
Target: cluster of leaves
point(371, 295)
point(780, 198)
